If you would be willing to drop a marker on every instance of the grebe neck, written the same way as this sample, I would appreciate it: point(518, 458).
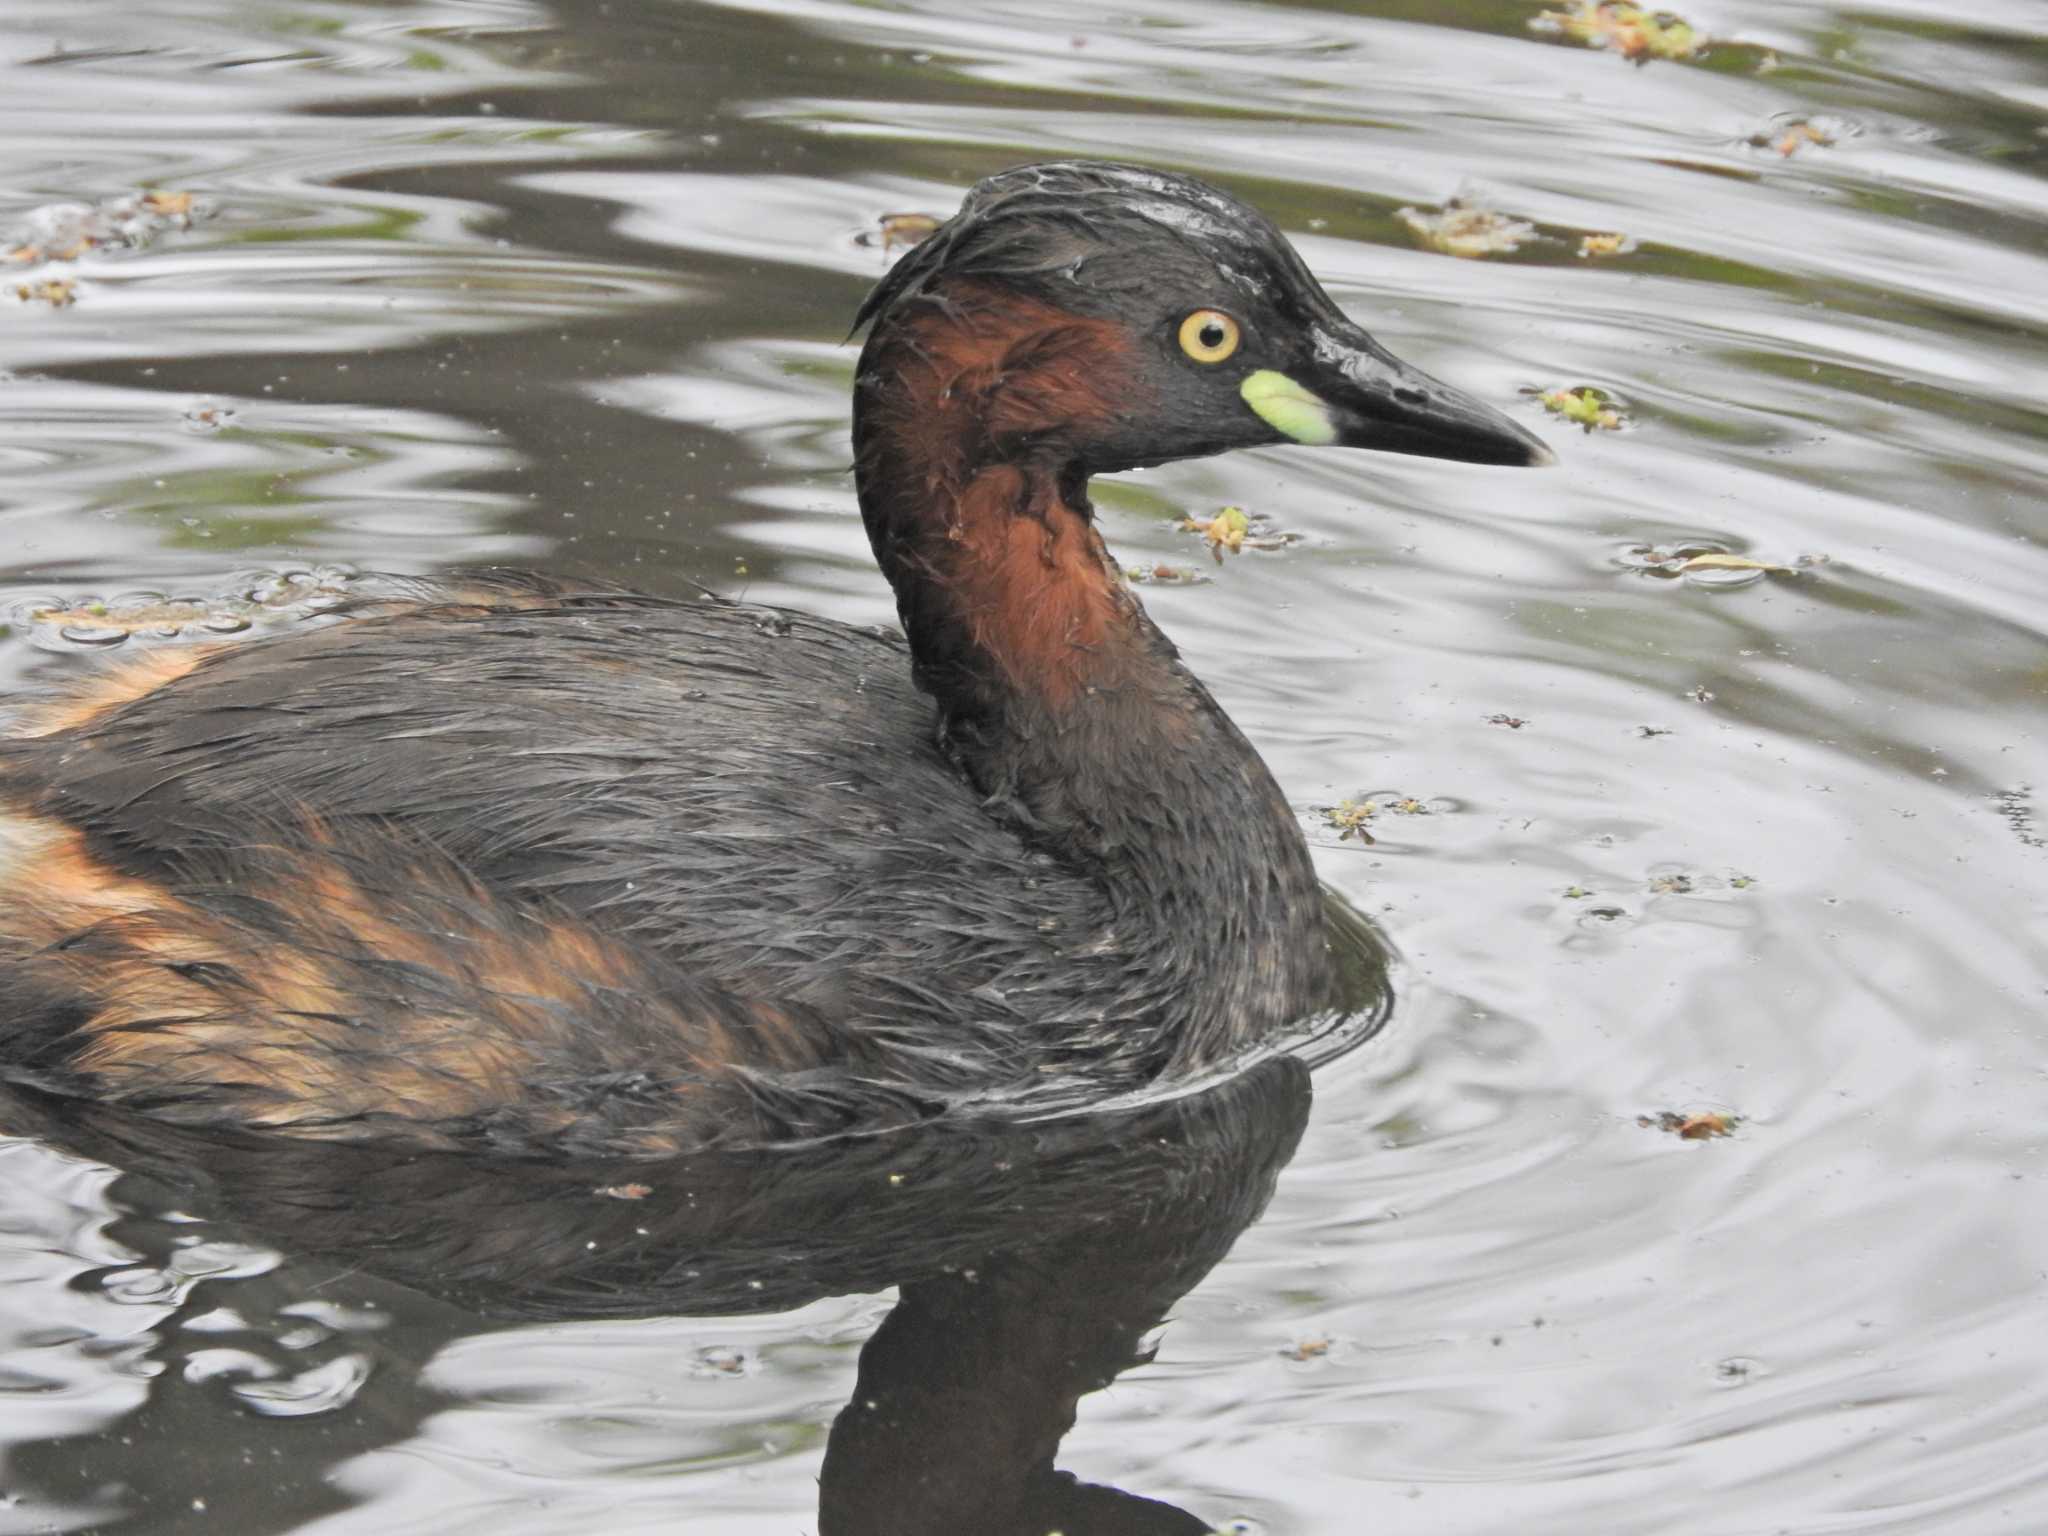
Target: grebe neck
point(1070, 711)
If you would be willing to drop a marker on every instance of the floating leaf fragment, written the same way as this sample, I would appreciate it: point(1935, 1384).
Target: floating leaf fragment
point(1606, 245)
point(1672, 885)
point(1165, 574)
point(1226, 530)
point(624, 1191)
point(1350, 818)
point(57, 292)
point(1583, 405)
point(1305, 1350)
point(1465, 229)
point(1742, 882)
point(1512, 722)
point(1700, 1125)
point(66, 231)
point(899, 229)
point(1789, 138)
point(1702, 563)
point(1715, 560)
point(1411, 807)
point(1235, 530)
point(1636, 34)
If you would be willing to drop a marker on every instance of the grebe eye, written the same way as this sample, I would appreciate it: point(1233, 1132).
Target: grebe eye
point(1208, 336)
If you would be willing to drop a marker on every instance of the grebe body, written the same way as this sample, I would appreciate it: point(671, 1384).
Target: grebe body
point(534, 867)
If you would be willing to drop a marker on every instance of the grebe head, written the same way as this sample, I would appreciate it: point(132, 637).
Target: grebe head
point(1120, 316)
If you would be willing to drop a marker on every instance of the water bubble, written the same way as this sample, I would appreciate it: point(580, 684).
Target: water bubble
point(97, 635)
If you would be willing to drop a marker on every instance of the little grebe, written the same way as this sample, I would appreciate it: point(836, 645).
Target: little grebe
point(528, 867)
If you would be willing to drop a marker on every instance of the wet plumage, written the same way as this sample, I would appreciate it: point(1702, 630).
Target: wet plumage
point(534, 866)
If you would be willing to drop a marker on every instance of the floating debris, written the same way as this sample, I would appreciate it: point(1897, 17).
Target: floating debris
point(1742, 882)
point(1236, 530)
point(1226, 530)
point(1590, 408)
point(1350, 817)
point(1165, 575)
point(57, 292)
point(1699, 693)
point(2016, 805)
point(1648, 731)
point(170, 205)
point(1703, 563)
point(1512, 722)
point(624, 1191)
point(1462, 228)
point(1788, 138)
point(1606, 245)
point(1636, 34)
point(207, 417)
point(722, 1360)
point(1671, 885)
point(67, 231)
point(1576, 893)
point(894, 230)
point(1305, 1350)
point(1717, 560)
point(1700, 1125)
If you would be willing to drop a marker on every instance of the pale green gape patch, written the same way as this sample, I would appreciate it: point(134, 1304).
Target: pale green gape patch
point(1287, 407)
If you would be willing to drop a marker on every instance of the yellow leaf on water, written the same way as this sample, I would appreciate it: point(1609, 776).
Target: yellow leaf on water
point(1629, 30)
point(1606, 245)
point(1586, 406)
point(1713, 561)
point(1226, 530)
point(1349, 819)
point(57, 292)
point(904, 229)
point(1464, 229)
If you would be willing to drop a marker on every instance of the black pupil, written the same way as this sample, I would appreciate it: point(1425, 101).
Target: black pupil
point(1211, 336)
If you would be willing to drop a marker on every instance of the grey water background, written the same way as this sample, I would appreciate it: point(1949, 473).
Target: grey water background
point(566, 284)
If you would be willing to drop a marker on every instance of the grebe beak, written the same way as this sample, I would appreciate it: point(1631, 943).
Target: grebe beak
point(1356, 394)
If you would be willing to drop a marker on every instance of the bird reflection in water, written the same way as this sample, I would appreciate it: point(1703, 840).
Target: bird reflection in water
point(1032, 1258)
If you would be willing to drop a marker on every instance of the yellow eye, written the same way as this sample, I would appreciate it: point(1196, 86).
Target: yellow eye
point(1208, 336)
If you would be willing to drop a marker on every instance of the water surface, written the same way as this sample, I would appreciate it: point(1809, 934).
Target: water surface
point(568, 284)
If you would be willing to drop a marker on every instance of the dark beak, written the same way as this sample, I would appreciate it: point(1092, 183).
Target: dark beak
point(1371, 399)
